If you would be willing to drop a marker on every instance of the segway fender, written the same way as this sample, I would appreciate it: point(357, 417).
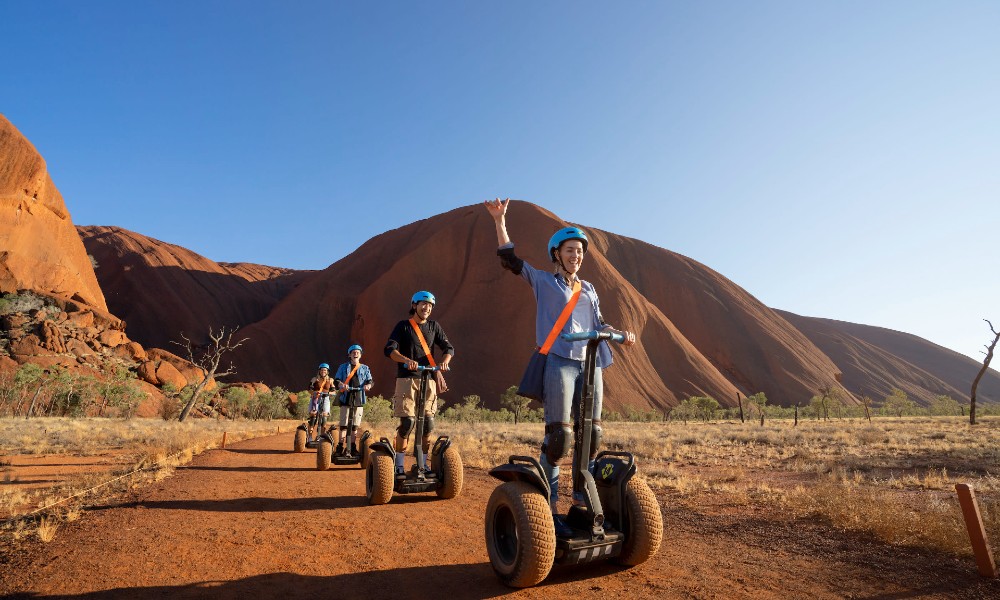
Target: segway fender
point(523, 468)
point(326, 436)
point(383, 446)
point(303, 427)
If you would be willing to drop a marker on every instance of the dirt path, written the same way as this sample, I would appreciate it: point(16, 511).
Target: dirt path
point(259, 521)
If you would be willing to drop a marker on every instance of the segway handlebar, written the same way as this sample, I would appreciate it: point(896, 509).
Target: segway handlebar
point(352, 389)
point(426, 368)
point(581, 336)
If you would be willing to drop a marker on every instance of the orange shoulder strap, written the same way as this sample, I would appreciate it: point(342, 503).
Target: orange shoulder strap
point(561, 321)
point(347, 381)
point(423, 342)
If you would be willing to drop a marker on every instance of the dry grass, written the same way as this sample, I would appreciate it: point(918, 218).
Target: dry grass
point(894, 478)
point(144, 450)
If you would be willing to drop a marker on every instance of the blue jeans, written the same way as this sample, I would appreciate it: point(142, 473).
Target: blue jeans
point(563, 387)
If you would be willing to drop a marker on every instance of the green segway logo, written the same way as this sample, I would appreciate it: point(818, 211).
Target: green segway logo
point(607, 471)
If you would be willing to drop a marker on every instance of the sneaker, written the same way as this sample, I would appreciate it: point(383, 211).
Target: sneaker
point(340, 449)
point(400, 473)
point(563, 530)
point(354, 449)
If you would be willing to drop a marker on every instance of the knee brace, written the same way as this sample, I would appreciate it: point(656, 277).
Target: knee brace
point(405, 426)
point(428, 424)
point(558, 439)
point(312, 420)
point(343, 427)
point(596, 433)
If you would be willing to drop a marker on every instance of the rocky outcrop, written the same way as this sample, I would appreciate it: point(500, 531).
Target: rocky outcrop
point(39, 247)
point(162, 290)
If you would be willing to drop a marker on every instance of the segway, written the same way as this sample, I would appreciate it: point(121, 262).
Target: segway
point(621, 520)
point(354, 454)
point(303, 439)
point(444, 476)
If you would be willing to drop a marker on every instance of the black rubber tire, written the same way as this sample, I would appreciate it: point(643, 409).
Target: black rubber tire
point(323, 455)
point(452, 474)
point(365, 453)
point(645, 524)
point(379, 478)
point(300, 440)
point(520, 534)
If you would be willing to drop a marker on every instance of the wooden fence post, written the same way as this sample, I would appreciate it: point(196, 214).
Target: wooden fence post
point(977, 533)
point(224, 433)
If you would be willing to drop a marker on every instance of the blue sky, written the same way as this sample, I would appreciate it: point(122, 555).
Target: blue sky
point(836, 159)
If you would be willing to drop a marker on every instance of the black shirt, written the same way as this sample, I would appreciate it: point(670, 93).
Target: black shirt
point(405, 340)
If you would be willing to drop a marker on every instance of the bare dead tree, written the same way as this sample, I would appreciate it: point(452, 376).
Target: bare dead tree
point(207, 358)
point(986, 365)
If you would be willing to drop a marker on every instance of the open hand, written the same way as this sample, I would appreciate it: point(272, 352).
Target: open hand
point(497, 208)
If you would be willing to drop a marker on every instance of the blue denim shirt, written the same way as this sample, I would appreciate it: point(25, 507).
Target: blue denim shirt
point(551, 296)
point(364, 377)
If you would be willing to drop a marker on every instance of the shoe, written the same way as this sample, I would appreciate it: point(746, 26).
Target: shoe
point(400, 473)
point(563, 530)
point(340, 449)
point(354, 449)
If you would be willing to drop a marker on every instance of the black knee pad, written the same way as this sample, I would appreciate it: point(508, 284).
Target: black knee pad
point(596, 433)
point(354, 428)
point(428, 424)
point(558, 441)
point(312, 420)
point(343, 427)
point(406, 425)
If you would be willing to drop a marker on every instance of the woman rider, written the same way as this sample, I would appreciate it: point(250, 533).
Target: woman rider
point(563, 377)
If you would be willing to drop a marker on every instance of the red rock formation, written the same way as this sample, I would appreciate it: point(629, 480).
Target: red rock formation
point(162, 290)
point(487, 312)
point(875, 360)
point(700, 333)
point(754, 346)
point(39, 248)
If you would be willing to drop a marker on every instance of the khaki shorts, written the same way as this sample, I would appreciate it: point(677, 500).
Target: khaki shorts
point(404, 400)
point(345, 413)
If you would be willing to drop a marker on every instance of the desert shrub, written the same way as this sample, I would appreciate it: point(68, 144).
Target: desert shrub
point(237, 401)
point(301, 409)
point(20, 302)
point(378, 410)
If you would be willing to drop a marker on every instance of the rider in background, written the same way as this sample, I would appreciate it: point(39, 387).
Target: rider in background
point(405, 348)
point(319, 403)
point(352, 374)
point(563, 377)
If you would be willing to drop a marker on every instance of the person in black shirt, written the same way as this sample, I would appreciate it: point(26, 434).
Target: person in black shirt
point(405, 348)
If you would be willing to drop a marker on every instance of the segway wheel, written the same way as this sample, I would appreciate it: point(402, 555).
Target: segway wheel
point(300, 440)
point(323, 455)
point(520, 534)
point(451, 472)
point(645, 524)
point(379, 478)
point(365, 453)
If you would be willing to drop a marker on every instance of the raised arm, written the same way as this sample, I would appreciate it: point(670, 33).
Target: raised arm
point(498, 210)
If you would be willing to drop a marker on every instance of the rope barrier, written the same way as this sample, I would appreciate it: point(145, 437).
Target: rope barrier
point(133, 472)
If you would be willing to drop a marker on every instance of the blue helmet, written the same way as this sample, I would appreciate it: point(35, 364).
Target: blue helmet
point(355, 347)
point(422, 297)
point(324, 366)
point(565, 234)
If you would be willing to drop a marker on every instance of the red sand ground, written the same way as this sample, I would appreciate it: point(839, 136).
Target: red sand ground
point(258, 521)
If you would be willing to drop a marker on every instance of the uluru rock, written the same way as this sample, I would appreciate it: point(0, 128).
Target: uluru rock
point(876, 359)
point(39, 247)
point(162, 290)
